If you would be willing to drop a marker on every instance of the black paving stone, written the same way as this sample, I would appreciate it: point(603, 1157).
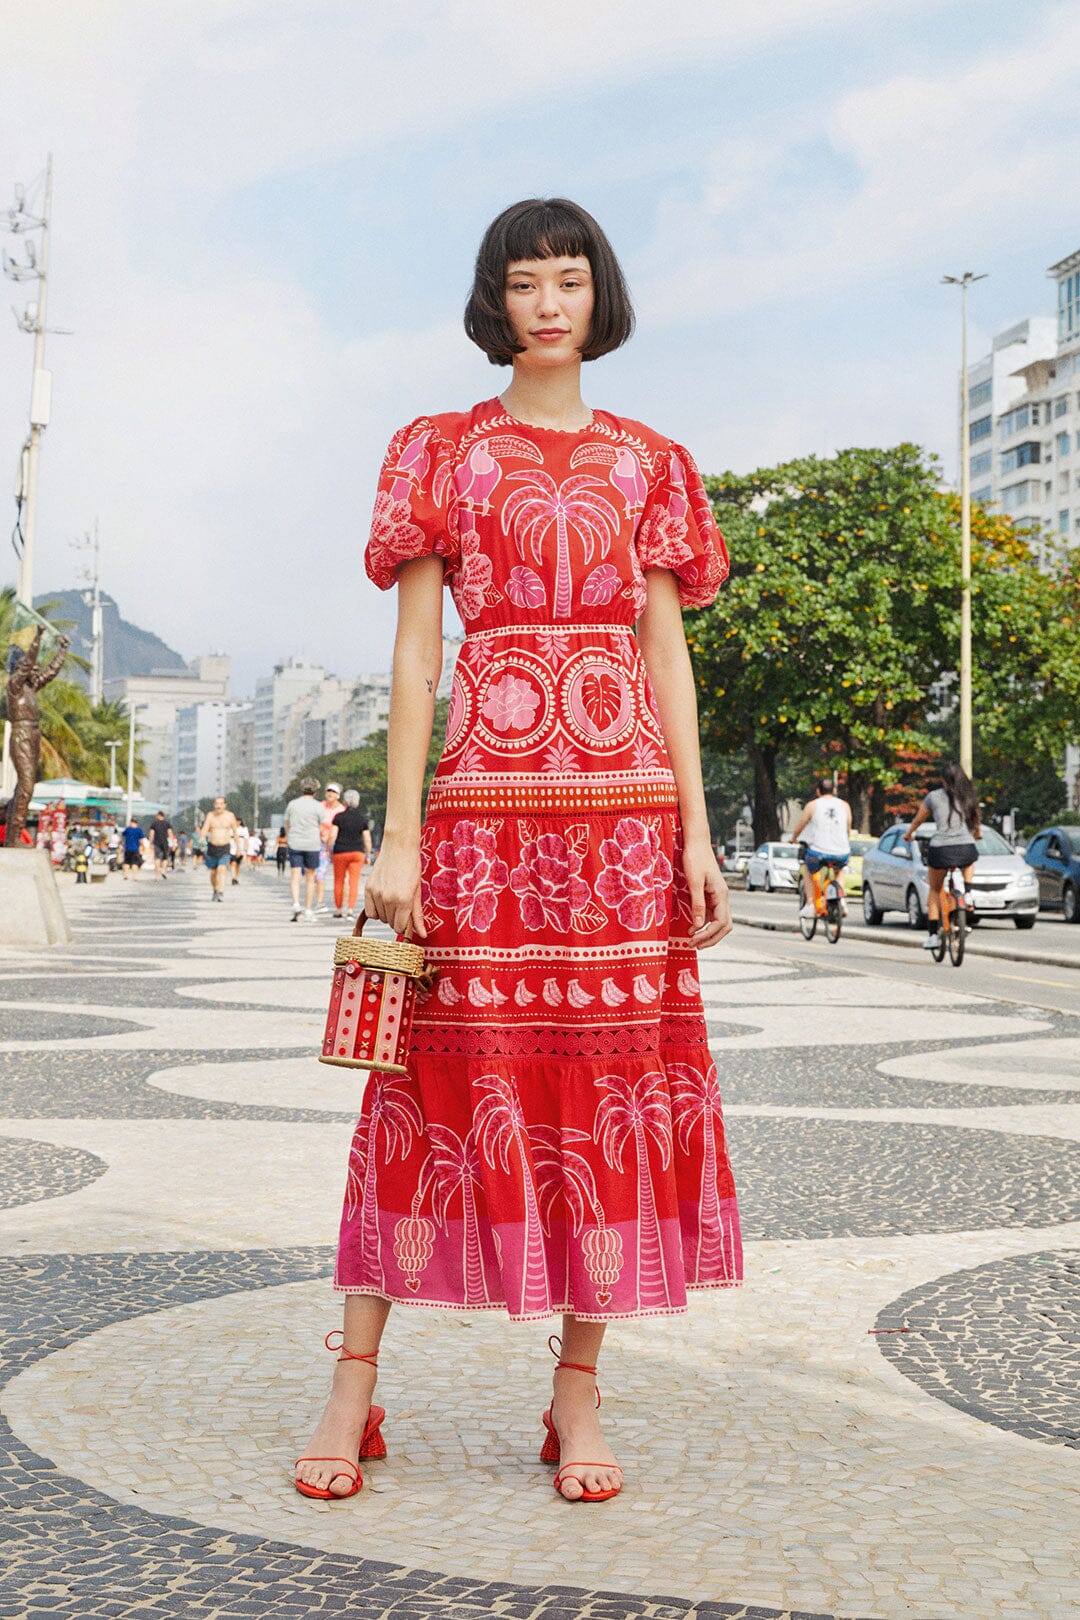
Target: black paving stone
point(30, 1024)
point(1000, 1341)
point(31, 1171)
point(112, 1085)
point(828, 1178)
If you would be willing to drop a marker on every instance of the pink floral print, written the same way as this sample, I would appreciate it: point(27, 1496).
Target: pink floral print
point(469, 876)
point(511, 704)
point(636, 875)
point(547, 884)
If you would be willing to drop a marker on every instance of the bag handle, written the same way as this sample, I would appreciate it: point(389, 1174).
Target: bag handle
point(401, 938)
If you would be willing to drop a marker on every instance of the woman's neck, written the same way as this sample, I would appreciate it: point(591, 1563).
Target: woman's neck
point(547, 399)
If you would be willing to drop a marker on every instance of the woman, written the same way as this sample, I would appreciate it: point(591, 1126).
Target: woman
point(953, 807)
point(350, 846)
point(557, 1146)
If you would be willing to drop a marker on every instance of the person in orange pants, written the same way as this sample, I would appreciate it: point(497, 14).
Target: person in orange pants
point(350, 846)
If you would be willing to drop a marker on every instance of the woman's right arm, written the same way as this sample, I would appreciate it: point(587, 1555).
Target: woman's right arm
point(920, 816)
point(393, 890)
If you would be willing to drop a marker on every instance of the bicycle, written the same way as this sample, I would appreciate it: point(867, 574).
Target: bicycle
point(828, 904)
point(953, 922)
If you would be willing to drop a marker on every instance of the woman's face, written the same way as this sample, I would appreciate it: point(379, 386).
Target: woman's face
point(550, 304)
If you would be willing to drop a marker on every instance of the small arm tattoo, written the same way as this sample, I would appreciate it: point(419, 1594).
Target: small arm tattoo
point(429, 686)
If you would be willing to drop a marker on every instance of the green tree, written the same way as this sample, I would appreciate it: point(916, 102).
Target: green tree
point(823, 648)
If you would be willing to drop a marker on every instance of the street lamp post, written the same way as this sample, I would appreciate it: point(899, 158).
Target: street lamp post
point(112, 747)
point(131, 759)
point(966, 750)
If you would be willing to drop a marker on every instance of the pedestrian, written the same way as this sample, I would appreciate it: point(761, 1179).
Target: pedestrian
point(332, 807)
point(254, 848)
point(556, 1145)
point(237, 850)
point(952, 805)
point(304, 831)
point(159, 830)
point(133, 840)
point(350, 846)
point(219, 830)
point(281, 851)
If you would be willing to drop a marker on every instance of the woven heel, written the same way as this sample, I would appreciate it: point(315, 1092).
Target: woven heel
point(374, 1441)
point(549, 1452)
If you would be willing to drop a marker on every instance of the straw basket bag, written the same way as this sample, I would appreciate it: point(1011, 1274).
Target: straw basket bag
point(375, 983)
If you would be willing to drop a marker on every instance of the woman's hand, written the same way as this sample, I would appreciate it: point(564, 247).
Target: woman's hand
point(393, 889)
point(710, 903)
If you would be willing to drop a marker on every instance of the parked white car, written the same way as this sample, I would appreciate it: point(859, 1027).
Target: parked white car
point(773, 866)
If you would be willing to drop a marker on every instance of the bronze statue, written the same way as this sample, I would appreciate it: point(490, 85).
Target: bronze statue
point(23, 685)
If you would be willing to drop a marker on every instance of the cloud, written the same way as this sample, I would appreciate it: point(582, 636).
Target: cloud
point(922, 168)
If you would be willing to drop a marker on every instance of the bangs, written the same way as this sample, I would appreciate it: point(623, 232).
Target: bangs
point(546, 230)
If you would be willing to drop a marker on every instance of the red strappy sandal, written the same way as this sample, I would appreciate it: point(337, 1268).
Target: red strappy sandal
point(551, 1451)
point(372, 1443)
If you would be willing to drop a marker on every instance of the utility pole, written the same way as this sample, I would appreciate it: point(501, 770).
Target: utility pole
point(35, 268)
point(131, 758)
point(966, 749)
point(112, 747)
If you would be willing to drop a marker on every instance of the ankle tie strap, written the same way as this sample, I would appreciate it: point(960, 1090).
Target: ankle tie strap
point(569, 1366)
point(372, 1358)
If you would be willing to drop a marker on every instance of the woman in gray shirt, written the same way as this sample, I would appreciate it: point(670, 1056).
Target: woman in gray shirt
point(953, 807)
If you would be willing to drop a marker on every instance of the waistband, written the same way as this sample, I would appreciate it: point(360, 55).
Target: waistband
point(565, 628)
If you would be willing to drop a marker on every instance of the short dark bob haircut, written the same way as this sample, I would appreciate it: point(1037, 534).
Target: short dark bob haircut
point(546, 228)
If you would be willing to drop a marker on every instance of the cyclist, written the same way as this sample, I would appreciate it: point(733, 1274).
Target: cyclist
point(825, 829)
point(953, 806)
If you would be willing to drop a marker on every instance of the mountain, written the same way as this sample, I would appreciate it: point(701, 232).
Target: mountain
point(128, 650)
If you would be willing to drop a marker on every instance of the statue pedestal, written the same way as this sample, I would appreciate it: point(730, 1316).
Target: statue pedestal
point(31, 911)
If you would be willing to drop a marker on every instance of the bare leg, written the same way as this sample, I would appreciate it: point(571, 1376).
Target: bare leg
point(340, 1429)
point(309, 889)
point(933, 903)
point(294, 886)
point(574, 1412)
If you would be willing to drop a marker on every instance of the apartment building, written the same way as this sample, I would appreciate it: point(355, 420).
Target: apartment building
point(1024, 400)
point(157, 700)
point(200, 768)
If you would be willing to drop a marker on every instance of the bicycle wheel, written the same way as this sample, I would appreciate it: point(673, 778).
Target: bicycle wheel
point(832, 914)
point(957, 934)
point(807, 925)
point(940, 938)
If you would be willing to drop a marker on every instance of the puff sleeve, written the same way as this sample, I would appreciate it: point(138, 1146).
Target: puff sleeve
point(678, 530)
point(413, 515)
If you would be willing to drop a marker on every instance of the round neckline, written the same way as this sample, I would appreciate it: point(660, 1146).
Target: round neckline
point(566, 433)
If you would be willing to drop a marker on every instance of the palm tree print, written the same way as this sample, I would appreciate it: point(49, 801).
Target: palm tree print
point(501, 1130)
point(393, 1112)
point(540, 505)
point(456, 1168)
point(640, 1113)
point(695, 1101)
point(565, 1175)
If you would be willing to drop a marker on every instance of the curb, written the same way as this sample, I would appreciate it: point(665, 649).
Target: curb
point(992, 952)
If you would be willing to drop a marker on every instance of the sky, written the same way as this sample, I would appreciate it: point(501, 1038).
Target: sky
point(265, 218)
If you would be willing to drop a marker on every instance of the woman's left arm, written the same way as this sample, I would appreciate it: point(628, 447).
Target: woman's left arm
point(667, 659)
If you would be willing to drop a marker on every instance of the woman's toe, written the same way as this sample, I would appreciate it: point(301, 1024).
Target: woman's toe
point(342, 1485)
point(571, 1487)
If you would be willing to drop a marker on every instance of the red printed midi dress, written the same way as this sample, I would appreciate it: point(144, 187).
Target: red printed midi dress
point(558, 1144)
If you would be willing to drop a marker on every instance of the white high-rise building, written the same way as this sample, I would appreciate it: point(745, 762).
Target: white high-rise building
point(157, 699)
point(1025, 417)
point(201, 751)
point(274, 697)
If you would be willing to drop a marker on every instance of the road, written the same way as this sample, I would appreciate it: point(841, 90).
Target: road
point(1040, 967)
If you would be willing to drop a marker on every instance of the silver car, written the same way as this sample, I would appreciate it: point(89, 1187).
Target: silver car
point(773, 866)
point(895, 879)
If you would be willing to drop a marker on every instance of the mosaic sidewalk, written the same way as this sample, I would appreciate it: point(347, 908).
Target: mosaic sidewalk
point(884, 1422)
